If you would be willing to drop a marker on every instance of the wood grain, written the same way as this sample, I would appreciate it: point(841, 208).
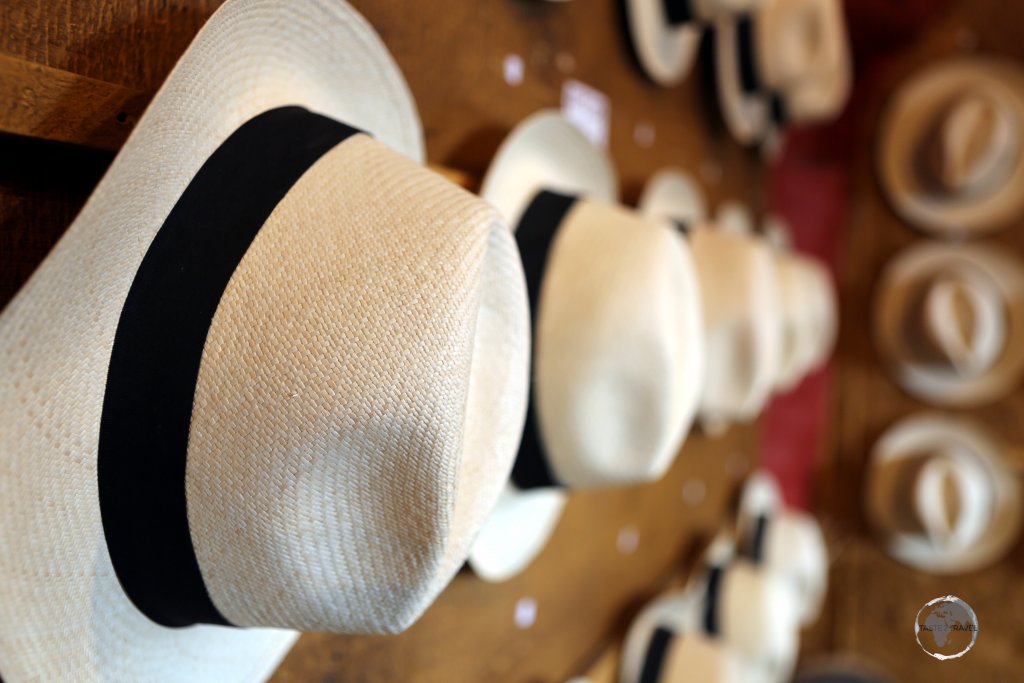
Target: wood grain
point(42, 102)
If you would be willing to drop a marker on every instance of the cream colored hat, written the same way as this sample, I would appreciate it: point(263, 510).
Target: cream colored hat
point(733, 621)
point(742, 317)
point(664, 646)
point(942, 495)
point(949, 322)
point(786, 63)
point(618, 343)
point(784, 541)
point(274, 375)
point(951, 153)
point(739, 293)
point(666, 33)
point(807, 302)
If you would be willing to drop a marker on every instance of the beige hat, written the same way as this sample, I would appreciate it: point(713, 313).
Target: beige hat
point(807, 300)
point(666, 33)
point(941, 494)
point(273, 376)
point(787, 62)
point(783, 540)
point(733, 621)
point(949, 320)
point(742, 316)
point(951, 152)
point(618, 343)
point(739, 293)
point(663, 645)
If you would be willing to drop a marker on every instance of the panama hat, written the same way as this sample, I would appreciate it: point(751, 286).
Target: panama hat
point(742, 317)
point(949, 320)
point(807, 301)
point(742, 622)
point(666, 34)
point(787, 62)
point(941, 494)
point(739, 294)
point(664, 645)
point(783, 540)
point(673, 193)
point(618, 346)
point(951, 146)
point(273, 377)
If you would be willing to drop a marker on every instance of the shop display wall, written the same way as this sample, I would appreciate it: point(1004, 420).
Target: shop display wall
point(874, 600)
point(74, 77)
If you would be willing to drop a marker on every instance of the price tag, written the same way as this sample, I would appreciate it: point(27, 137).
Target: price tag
point(589, 109)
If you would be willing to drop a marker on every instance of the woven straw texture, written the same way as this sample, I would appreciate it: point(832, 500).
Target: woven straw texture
point(62, 613)
point(355, 418)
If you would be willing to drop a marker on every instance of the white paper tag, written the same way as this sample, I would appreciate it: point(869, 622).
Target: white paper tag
point(589, 109)
point(513, 69)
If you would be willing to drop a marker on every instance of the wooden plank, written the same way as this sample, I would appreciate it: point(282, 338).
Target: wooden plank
point(43, 102)
point(133, 44)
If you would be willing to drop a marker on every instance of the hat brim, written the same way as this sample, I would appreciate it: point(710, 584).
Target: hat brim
point(516, 532)
point(746, 114)
point(935, 384)
point(545, 151)
point(251, 56)
point(910, 113)
point(674, 194)
point(920, 433)
point(666, 52)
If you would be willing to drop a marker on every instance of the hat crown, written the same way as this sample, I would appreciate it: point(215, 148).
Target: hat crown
point(348, 428)
point(951, 498)
point(611, 355)
point(961, 320)
point(757, 611)
point(739, 291)
point(803, 40)
point(973, 143)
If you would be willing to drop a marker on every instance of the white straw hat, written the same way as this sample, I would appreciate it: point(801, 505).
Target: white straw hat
point(942, 495)
point(785, 541)
point(273, 376)
point(751, 612)
point(618, 344)
point(808, 303)
point(951, 152)
point(739, 291)
point(664, 645)
point(949, 322)
point(741, 314)
point(666, 34)
point(787, 62)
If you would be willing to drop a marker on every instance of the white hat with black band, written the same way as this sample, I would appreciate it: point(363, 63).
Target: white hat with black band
point(618, 344)
point(273, 377)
